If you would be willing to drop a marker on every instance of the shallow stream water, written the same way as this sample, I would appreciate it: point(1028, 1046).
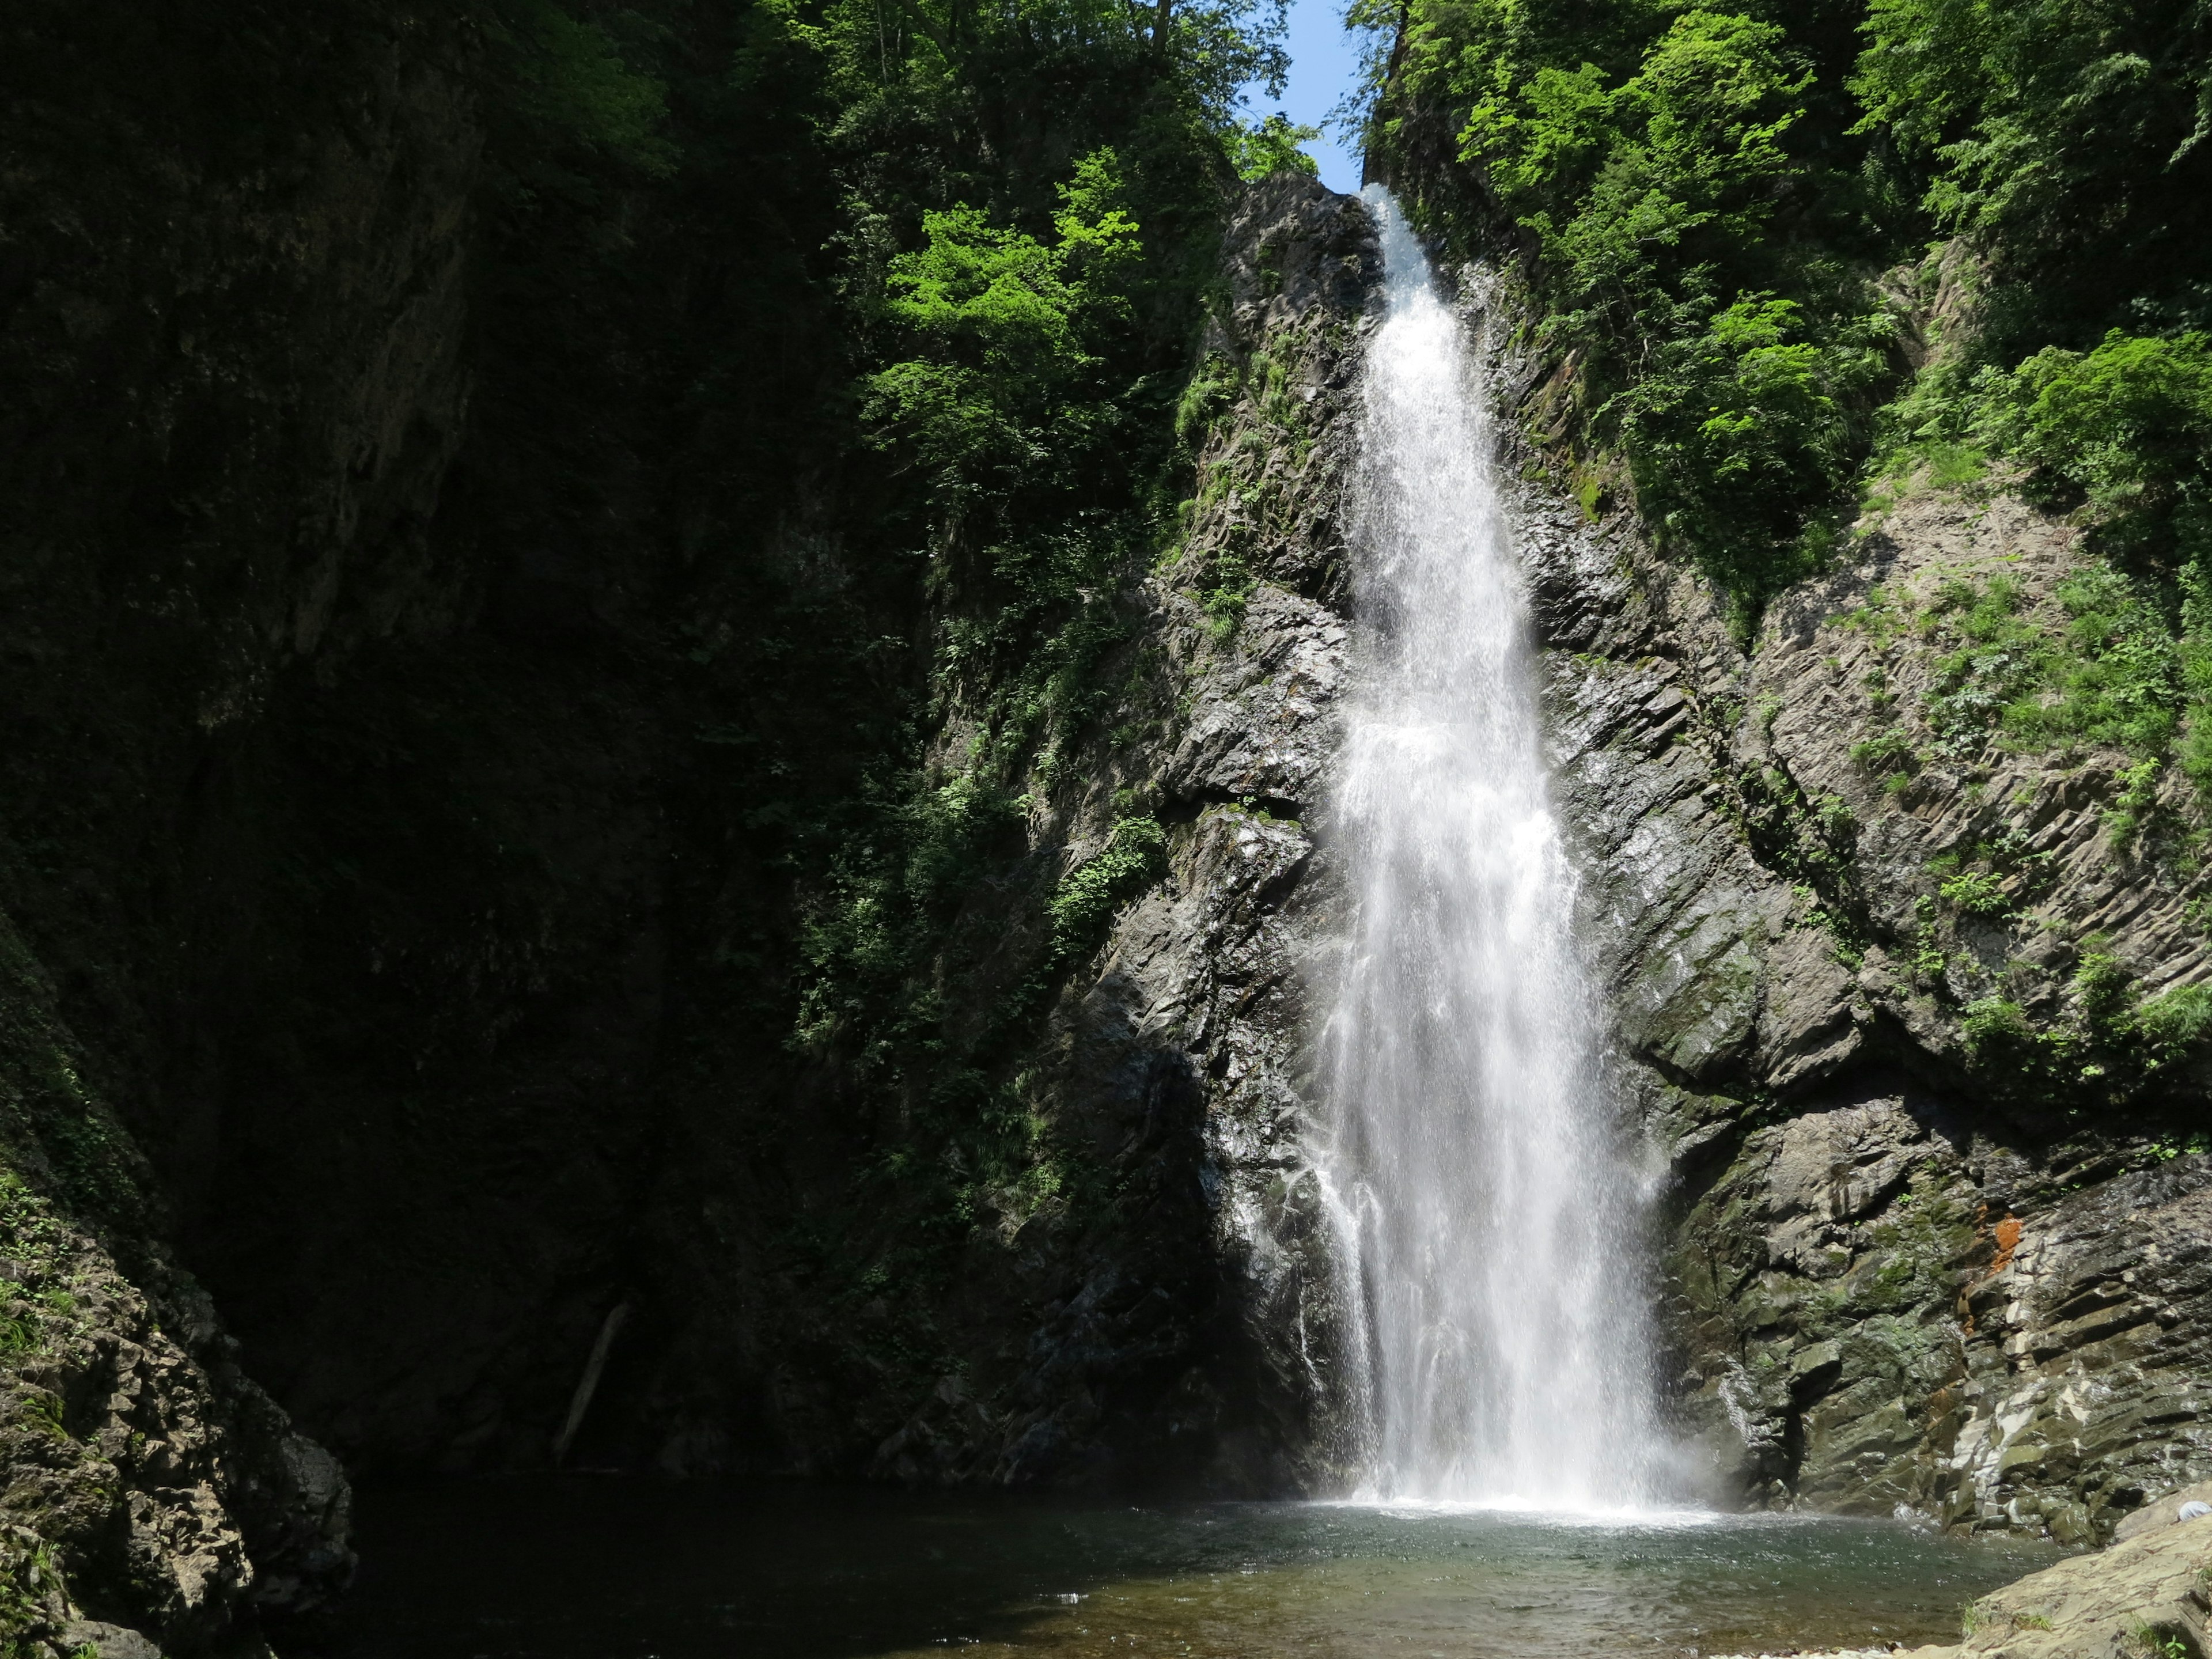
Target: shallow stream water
point(585, 1567)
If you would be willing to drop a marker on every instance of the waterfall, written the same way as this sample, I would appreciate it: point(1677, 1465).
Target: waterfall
point(1487, 1200)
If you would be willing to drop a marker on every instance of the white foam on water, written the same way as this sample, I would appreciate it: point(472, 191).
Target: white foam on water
point(1539, 1512)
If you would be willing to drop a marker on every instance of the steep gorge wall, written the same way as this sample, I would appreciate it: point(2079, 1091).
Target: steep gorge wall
point(1891, 999)
point(399, 941)
point(235, 386)
point(1169, 1316)
point(356, 825)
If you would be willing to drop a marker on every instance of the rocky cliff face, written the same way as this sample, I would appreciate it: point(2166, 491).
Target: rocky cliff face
point(353, 686)
point(234, 390)
point(1187, 1333)
point(1900, 1002)
point(1907, 1263)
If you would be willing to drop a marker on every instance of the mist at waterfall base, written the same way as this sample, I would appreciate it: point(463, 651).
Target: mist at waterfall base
point(1487, 1200)
point(612, 1567)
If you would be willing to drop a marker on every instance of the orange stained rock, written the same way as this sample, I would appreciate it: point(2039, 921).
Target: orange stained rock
point(2008, 1242)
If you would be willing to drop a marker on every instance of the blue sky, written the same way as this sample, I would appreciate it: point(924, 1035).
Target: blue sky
point(1324, 62)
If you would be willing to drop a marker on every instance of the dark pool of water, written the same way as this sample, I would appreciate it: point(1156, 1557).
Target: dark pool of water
point(588, 1567)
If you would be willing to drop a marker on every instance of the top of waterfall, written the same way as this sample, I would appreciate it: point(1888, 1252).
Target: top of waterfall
point(1408, 276)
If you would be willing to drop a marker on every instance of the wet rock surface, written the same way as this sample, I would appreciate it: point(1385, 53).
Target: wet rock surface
point(2145, 1597)
point(1904, 1270)
point(1895, 1279)
point(1193, 1337)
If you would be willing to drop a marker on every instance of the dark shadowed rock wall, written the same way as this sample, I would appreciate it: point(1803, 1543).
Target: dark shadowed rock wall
point(1182, 1332)
point(357, 831)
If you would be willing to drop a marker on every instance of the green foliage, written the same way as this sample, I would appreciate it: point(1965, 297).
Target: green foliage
point(567, 79)
point(31, 1594)
point(2136, 800)
point(2064, 141)
point(1976, 893)
point(2115, 672)
point(1998, 658)
point(2128, 427)
point(2127, 668)
point(1271, 146)
point(2064, 136)
point(1882, 617)
point(1929, 959)
point(1624, 186)
point(1206, 53)
point(1083, 906)
point(1698, 189)
point(1888, 752)
point(1660, 166)
point(2175, 1022)
point(1011, 328)
point(1740, 431)
point(1223, 577)
point(2111, 1048)
point(876, 922)
point(1999, 1036)
point(2159, 1641)
point(1207, 396)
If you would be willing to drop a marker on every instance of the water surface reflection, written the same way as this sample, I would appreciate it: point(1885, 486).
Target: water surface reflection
point(607, 1568)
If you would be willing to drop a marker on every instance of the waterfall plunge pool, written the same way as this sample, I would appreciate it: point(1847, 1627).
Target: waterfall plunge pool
point(607, 1567)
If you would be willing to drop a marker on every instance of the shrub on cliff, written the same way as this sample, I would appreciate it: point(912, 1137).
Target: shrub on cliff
point(1684, 224)
point(2127, 428)
point(1702, 200)
point(2065, 139)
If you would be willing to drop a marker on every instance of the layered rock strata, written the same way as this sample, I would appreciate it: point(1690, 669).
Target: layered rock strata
point(1935, 1238)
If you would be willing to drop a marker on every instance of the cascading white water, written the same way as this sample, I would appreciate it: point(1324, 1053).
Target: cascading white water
point(1485, 1203)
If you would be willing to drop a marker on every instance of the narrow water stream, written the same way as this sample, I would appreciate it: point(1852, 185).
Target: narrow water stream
point(585, 1567)
point(1487, 1206)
